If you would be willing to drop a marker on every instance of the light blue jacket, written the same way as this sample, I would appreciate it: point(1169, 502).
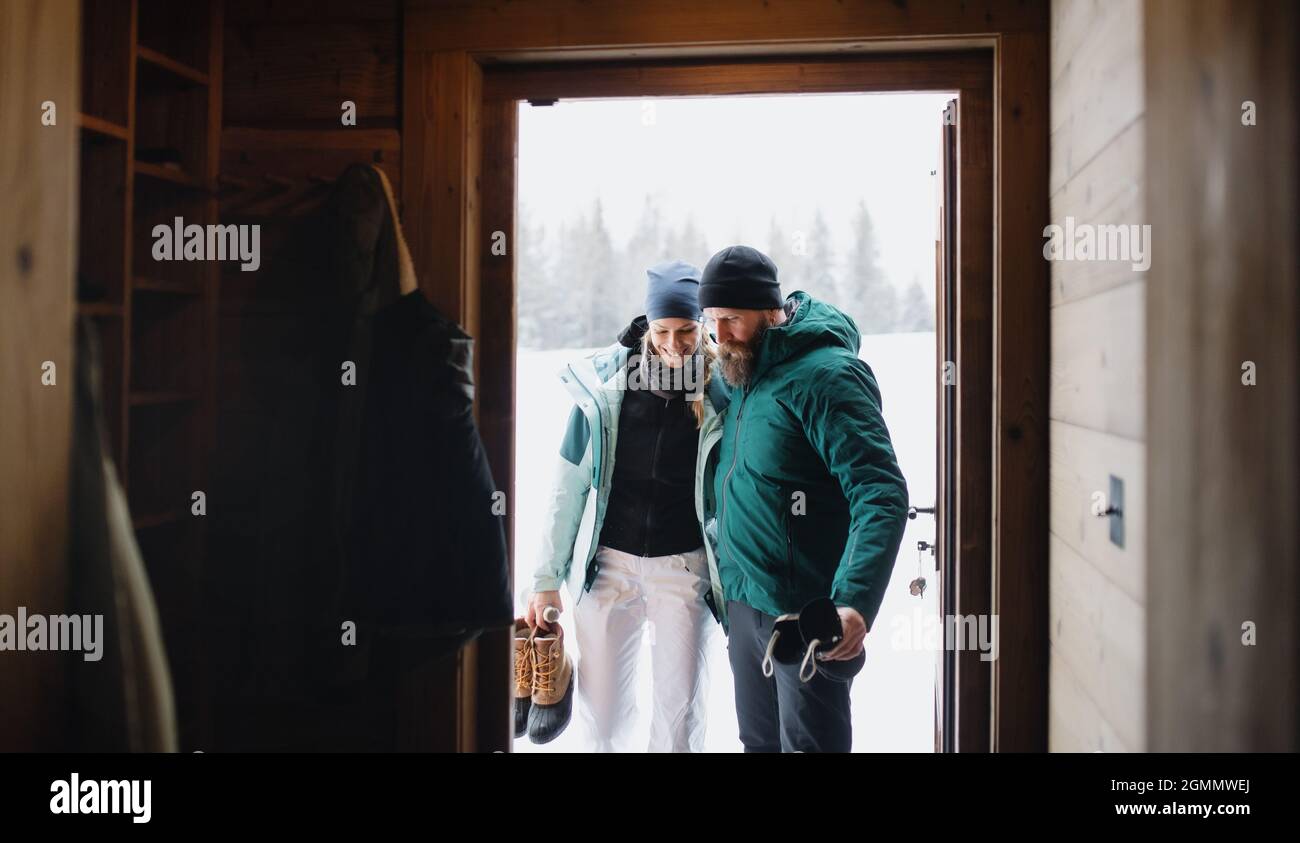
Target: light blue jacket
point(575, 516)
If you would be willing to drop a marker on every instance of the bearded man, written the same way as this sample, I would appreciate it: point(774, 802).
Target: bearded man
point(804, 503)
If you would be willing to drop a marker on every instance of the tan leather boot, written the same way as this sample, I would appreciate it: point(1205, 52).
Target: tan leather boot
point(552, 686)
point(523, 675)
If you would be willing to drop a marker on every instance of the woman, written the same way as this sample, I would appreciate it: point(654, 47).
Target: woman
point(624, 526)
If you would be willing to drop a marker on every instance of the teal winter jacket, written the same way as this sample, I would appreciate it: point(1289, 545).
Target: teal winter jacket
point(810, 501)
point(576, 510)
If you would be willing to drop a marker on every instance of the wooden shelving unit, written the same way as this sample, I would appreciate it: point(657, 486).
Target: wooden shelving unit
point(156, 62)
point(150, 133)
point(168, 174)
point(90, 123)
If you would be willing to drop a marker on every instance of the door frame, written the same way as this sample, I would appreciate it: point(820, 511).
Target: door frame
point(466, 67)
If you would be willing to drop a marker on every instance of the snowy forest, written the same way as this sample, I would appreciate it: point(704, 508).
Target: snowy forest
point(578, 289)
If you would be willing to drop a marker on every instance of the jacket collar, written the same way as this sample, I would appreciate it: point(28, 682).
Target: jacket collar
point(601, 374)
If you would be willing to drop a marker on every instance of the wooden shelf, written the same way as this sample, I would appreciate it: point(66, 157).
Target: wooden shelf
point(159, 398)
point(155, 66)
point(99, 126)
point(100, 308)
point(167, 174)
point(156, 285)
point(151, 87)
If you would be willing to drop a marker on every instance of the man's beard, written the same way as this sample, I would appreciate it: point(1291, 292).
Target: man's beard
point(736, 359)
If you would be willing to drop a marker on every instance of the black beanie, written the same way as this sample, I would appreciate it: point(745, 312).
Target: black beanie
point(740, 277)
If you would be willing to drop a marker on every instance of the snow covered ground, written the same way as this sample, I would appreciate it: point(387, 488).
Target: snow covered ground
point(893, 696)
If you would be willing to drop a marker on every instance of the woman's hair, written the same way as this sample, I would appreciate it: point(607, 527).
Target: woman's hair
point(708, 351)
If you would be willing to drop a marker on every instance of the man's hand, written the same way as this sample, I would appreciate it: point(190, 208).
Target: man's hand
point(855, 632)
point(537, 606)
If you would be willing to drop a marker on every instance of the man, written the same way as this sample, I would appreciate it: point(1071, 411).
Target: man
point(808, 501)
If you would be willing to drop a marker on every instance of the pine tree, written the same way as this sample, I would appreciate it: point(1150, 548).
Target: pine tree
point(567, 319)
point(788, 268)
point(644, 249)
point(819, 264)
point(916, 311)
point(537, 296)
point(867, 295)
point(687, 244)
point(597, 275)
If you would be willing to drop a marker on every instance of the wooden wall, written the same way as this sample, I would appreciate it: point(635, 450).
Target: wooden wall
point(289, 63)
point(289, 67)
point(39, 61)
point(1223, 461)
point(1098, 376)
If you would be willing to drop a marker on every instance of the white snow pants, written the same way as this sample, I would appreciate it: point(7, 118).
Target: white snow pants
point(629, 591)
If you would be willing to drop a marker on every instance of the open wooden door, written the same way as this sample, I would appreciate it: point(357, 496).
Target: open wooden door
point(946, 421)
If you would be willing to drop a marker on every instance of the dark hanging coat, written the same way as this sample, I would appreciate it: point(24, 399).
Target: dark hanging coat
point(357, 488)
point(419, 518)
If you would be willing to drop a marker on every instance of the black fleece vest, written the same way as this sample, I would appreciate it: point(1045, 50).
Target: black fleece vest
point(651, 509)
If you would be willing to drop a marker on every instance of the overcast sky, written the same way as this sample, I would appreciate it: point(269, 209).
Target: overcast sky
point(733, 163)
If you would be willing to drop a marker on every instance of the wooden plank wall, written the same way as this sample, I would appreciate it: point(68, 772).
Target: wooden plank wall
point(1097, 400)
point(289, 67)
point(289, 63)
point(40, 46)
point(1223, 461)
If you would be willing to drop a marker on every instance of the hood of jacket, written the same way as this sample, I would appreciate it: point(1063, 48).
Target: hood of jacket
point(810, 323)
point(630, 337)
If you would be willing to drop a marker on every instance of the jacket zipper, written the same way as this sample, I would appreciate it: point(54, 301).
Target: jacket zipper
point(735, 454)
point(604, 450)
point(600, 417)
point(789, 543)
point(654, 463)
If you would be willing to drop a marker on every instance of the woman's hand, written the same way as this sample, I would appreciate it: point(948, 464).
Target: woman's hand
point(535, 614)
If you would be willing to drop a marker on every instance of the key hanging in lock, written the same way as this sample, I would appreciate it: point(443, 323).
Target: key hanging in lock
point(917, 586)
